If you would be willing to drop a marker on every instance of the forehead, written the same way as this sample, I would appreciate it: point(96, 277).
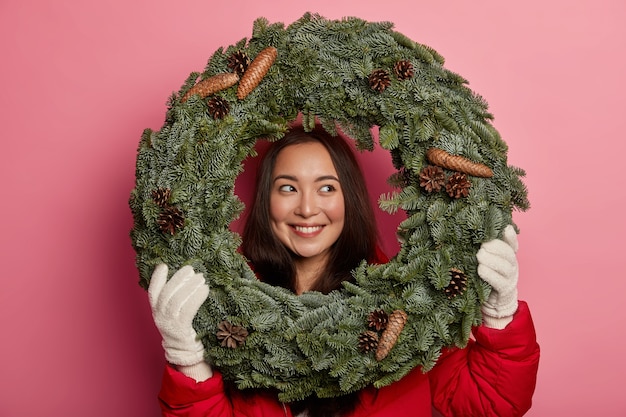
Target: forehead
point(304, 158)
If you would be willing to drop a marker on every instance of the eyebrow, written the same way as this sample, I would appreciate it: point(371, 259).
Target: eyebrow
point(318, 179)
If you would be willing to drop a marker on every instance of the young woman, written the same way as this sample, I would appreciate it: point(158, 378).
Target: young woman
point(310, 224)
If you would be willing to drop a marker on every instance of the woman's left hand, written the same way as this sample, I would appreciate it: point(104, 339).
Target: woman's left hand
point(497, 265)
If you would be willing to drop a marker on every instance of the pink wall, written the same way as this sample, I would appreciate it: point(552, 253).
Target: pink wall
point(81, 80)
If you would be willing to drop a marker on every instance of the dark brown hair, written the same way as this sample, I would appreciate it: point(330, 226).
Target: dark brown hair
point(271, 260)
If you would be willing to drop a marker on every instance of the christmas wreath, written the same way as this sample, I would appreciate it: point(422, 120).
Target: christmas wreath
point(452, 181)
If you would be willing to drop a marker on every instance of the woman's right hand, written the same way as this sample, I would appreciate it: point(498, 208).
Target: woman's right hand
point(174, 304)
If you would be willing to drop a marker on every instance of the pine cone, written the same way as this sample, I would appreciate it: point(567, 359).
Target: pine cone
point(212, 85)
point(457, 285)
point(388, 339)
point(161, 195)
point(379, 80)
point(458, 185)
point(218, 107)
point(368, 341)
point(171, 219)
point(458, 163)
point(432, 178)
point(256, 71)
point(231, 335)
point(238, 62)
point(403, 70)
point(377, 319)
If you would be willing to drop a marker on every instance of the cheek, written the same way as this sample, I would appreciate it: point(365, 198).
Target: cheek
point(337, 210)
point(277, 210)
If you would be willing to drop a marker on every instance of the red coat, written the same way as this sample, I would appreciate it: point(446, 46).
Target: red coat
point(494, 376)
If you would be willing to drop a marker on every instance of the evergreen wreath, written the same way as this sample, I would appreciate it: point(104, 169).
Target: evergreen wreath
point(452, 181)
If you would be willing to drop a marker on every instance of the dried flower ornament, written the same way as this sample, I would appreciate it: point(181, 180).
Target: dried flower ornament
point(230, 335)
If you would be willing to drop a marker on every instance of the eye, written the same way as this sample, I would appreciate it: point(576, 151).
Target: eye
point(286, 188)
point(328, 188)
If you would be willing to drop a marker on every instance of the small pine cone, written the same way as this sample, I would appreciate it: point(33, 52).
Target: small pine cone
point(458, 163)
point(368, 341)
point(170, 220)
point(161, 196)
point(212, 85)
point(403, 70)
point(432, 178)
point(238, 62)
point(231, 335)
point(388, 339)
point(458, 185)
point(377, 319)
point(218, 107)
point(379, 80)
point(457, 285)
point(256, 71)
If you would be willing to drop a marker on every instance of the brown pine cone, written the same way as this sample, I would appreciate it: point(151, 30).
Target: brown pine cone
point(458, 163)
point(379, 80)
point(388, 339)
point(212, 85)
point(170, 220)
point(377, 319)
point(457, 285)
point(256, 71)
point(432, 178)
point(218, 107)
point(238, 62)
point(458, 185)
point(403, 69)
point(161, 195)
point(368, 341)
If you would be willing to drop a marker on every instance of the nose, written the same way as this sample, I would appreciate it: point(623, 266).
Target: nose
point(307, 206)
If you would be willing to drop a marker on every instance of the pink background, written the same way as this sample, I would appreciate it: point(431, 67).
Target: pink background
point(81, 80)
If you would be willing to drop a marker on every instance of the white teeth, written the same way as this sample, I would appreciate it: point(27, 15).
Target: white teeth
point(310, 229)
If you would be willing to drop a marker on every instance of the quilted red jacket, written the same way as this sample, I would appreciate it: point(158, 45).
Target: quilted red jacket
point(493, 376)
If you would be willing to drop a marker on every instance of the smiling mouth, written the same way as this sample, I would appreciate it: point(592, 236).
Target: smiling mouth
point(307, 229)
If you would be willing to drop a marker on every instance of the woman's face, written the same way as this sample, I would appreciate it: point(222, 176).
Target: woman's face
point(306, 202)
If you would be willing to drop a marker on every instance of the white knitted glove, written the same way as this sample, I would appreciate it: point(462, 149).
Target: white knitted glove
point(497, 264)
point(174, 304)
